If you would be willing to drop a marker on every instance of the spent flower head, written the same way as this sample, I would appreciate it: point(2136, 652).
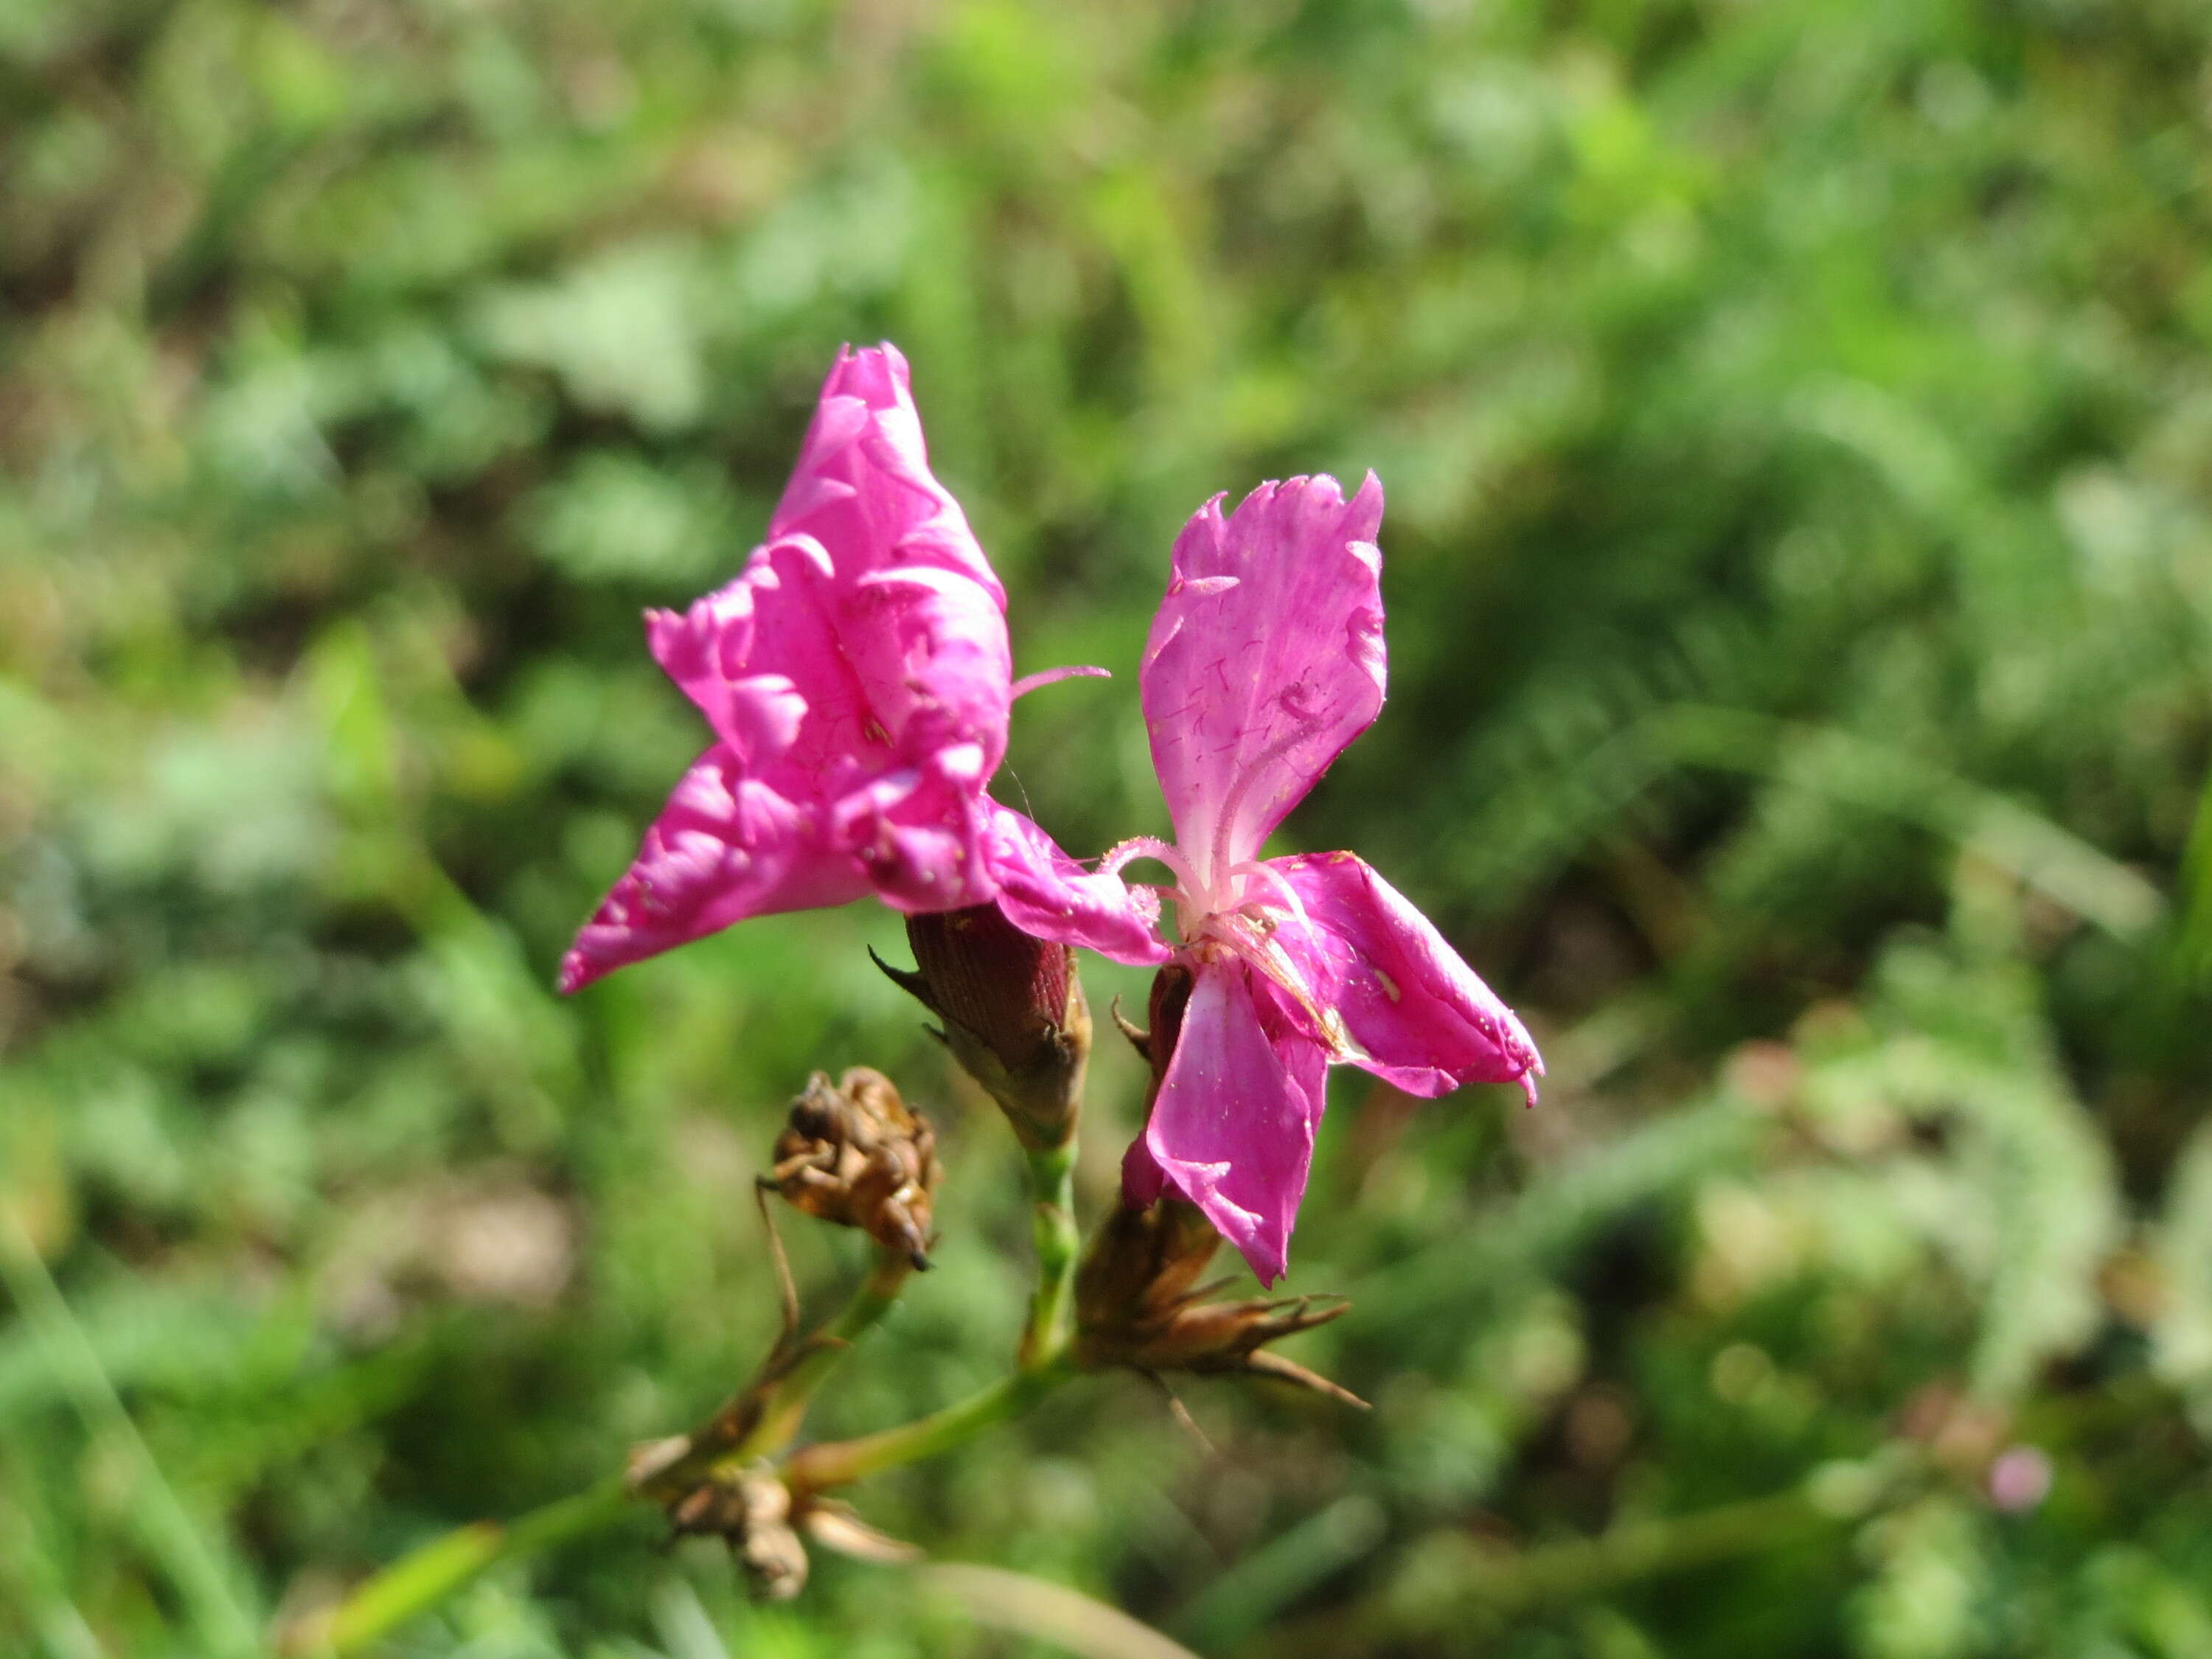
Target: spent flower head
point(856, 1154)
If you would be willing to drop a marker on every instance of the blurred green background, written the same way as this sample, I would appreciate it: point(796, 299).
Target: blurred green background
point(1797, 422)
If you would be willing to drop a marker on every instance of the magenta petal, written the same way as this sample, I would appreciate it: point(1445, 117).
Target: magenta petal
point(871, 594)
point(706, 650)
point(1233, 1127)
point(863, 485)
point(1265, 660)
point(724, 848)
point(917, 832)
point(1420, 1017)
point(857, 678)
point(869, 628)
point(1049, 896)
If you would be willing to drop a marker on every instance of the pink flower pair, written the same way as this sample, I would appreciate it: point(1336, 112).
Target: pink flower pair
point(858, 682)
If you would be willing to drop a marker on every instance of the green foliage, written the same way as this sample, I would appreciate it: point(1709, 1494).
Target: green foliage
point(1794, 419)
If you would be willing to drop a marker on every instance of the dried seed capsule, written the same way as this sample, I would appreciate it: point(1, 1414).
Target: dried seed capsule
point(855, 1153)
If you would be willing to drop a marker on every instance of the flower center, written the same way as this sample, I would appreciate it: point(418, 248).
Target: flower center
point(1242, 912)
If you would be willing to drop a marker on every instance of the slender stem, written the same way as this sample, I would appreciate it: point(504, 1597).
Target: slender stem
point(837, 1463)
point(1051, 1324)
point(1047, 1336)
point(757, 1424)
point(416, 1583)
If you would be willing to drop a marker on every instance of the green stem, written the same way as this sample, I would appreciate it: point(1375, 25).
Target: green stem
point(1047, 1336)
point(837, 1463)
point(1051, 1324)
point(416, 1583)
point(752, 1426)
point(736, 1435)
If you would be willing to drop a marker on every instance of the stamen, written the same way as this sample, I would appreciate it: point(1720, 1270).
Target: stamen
point(1151, 847)
point(1268, 957)
point(1288, 895)
point(1043, 677)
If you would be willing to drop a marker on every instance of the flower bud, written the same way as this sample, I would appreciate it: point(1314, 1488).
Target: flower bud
point(1013, 1011)
point(857, 1155)
point(1137, 1303)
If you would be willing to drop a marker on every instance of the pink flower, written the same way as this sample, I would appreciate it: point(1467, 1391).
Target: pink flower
point(1265, 662)
point(856, 678)
point(2019, 1479)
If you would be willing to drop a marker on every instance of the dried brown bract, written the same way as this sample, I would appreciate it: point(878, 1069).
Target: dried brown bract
point(750, 1511)
point(1139, 1304)
point(757, 1516)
